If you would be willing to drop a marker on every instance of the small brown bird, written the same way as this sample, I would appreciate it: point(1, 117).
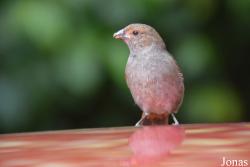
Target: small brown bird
point(152, 74)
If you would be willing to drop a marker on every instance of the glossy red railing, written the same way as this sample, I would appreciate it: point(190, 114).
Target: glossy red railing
point(196, 145)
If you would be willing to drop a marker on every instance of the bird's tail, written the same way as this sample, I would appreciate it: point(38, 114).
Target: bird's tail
point(153, 119)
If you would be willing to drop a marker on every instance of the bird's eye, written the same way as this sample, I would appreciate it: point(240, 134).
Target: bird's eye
point(135, 32)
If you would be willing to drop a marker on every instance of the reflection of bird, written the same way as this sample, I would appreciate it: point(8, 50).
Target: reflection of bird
point(154, 143)
point(152, 74)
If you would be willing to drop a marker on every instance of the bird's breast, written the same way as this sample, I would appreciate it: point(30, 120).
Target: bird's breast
point(143, 68)
point(154, 81)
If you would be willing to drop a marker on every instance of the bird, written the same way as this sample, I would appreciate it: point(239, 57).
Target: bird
point(152, 75)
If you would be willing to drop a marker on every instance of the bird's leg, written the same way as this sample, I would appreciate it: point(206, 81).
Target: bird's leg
point(151, 118)
point(140, 122)
point(175, 120)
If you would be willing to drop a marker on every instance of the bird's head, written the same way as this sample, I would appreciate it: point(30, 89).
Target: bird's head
point(140, 37)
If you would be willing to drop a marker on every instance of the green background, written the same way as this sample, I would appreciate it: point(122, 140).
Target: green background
point(60, 68)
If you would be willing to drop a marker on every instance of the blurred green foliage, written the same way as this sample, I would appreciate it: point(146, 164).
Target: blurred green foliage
point(60, 68)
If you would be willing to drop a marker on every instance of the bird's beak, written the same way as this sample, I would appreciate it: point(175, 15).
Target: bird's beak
point(120, 34)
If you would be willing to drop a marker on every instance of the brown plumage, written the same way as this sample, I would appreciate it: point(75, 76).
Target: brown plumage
point(152, 74)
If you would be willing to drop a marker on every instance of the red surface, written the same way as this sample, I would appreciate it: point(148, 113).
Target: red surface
point(203, 145)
